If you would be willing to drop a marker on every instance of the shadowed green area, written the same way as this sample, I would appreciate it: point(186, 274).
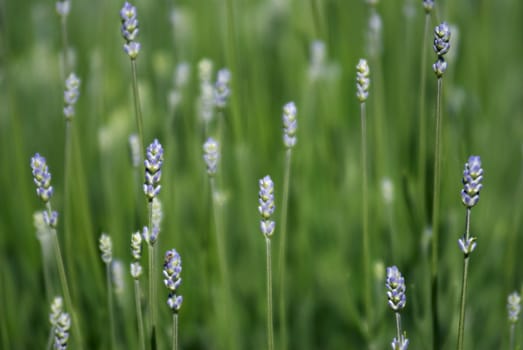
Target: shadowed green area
point(266, 45)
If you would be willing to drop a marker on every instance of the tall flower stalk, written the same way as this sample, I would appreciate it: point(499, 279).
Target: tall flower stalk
point(513, 308)
point(153, 172)
point(472, 184)
point(362, 93)
point(422, 146)
point(136, 272)
point(71, 94)
point(106, 248)
point(44, 190)
point(63, 7)
point(172, 269)
point(132, 47)
point(441, 47)
point(266, 208)
point(290, 126)
point(211, 156)
point(397, 300)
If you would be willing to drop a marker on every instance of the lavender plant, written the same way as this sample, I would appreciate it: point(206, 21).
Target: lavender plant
point(290, 126)
point(472, 184)
point(422, 143)
point(266, 208)
point(136, 272)
point(441, 47)
point(44, 190)
point(129, 30)
point(172, 269)
point(153, 173)
point(106, 249)
point(397, 300)
point(362, 93)
point(513, 308)
point(71, 94)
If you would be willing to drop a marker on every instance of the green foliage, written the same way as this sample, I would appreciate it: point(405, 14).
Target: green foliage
point(265, 44)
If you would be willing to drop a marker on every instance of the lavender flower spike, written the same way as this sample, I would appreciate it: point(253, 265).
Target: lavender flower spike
point(71, 93)
point(106, 247)
point(513, 307)
point(221, 88)
point(61, 333)
point(130, 30)
point(172, 269)
point(153, 169)
point(396, 289)
point(362, 80)
point(211, 155)
point(42, 178)
point(63, 7)
point(441, 47)
point(472, 178)
point(266, 207)
point(290, 124)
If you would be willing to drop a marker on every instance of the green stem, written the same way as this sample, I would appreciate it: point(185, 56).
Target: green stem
point(422, 146)
point(512, 336)
point(65, 63)
point(51, 338)
point(283, 262)
point(219, 235)
point(110, 304)
point(152, 280)
point(223, 268)
point(270, 326)
point(67, 204)
point(365, 216)
point(435, 219)
point(137, 108)
point(139, 317)
point(316, 18)
point(63, 281)
point(175, 331)
point(461, 327)
point(398, 326)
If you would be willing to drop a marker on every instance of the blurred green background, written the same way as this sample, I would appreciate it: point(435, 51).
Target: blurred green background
point(266, 45)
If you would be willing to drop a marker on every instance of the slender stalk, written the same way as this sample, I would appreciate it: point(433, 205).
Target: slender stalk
point(398, 326)
point(67, 203)
point(110, 304)
point(175, 331)
point(139, 317)
point(152, 281)
point(63, 281)
point(50, 339)
point(365, 215)
point(461, 327)
point(435, 219)
point(137, 108)
point(512, 336)
point(219, 234)
point(316, 18)
point(65, 58)
point(270, 326)
point(283, 262)
point(222, 266)
point(422, 146)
